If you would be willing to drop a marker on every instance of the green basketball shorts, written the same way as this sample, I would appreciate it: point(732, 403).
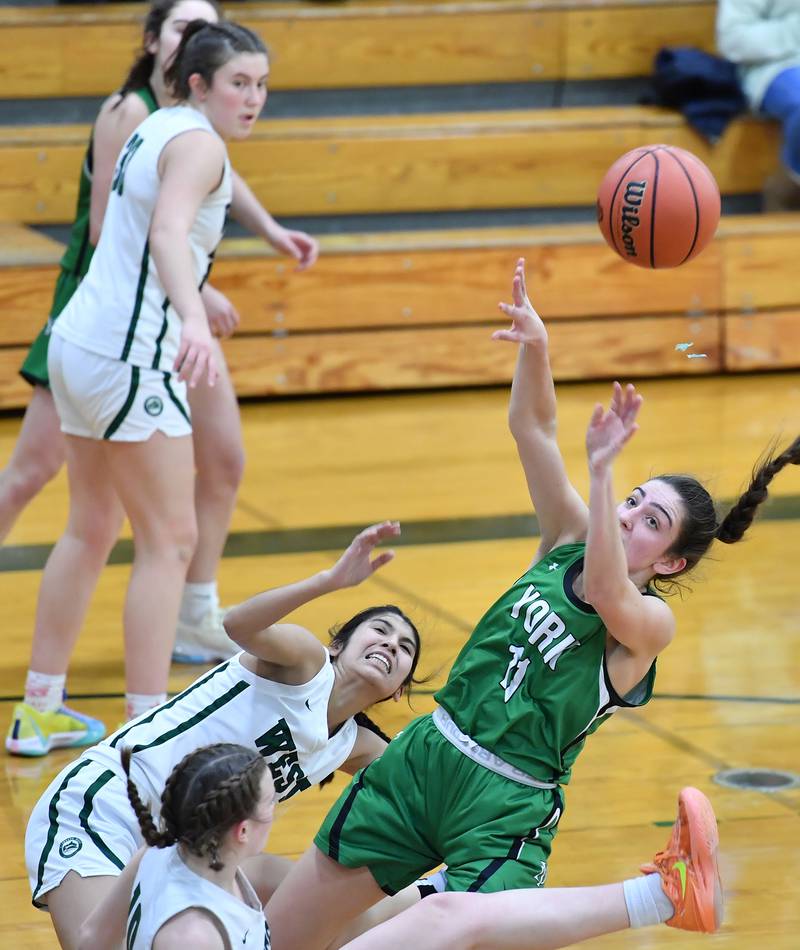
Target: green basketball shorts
point(423, 802)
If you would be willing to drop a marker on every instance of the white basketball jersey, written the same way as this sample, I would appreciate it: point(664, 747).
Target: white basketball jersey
point(121, 310)
point(165, 886)
point(288, 725)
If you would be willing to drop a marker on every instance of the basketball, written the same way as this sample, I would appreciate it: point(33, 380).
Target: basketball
point(658, 206)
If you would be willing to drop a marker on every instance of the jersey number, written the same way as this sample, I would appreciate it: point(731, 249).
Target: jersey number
point(130, 150)
point(517, 668)
point(134, 917)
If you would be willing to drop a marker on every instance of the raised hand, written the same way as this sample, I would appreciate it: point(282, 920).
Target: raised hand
point(357, 564)
point(610, 429)
point(526, 324)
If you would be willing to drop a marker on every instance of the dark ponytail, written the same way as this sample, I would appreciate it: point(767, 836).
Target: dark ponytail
point(700, 526)
point(740, 517)
point(140, 72)
point(204, 48)
point(207, 793)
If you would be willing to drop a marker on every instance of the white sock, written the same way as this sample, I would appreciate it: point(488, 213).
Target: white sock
point(197, 601)
point(45, 693)
point(136, 704)
point(646, 901)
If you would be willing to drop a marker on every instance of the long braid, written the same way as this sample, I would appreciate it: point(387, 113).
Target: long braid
point(151, 835)
point(740, 517)
point(222, 806)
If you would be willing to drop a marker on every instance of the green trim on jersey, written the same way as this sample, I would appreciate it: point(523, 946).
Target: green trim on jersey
point(531, 682)
point(196, 719)
point(113, 740)
point(75, 261)
point(161, 334)
point(119, 418)
point(171, 393)
point(88, 798)
point(144, 269)
point(52, 831)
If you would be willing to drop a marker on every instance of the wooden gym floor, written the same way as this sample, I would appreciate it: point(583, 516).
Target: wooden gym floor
point(728, 690)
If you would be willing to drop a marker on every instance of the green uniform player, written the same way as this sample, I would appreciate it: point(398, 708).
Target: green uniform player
point(75, 262)
point(528, 687)
point(478, 783)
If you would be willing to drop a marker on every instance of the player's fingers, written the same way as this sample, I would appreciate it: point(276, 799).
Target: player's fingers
point(383, 558)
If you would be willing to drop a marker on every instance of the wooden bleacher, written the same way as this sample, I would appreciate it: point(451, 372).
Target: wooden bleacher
point(445, 162)
point(415, 309)
point(361, 43)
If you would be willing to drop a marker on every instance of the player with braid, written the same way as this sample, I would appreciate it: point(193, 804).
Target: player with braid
point(571, 641)
point(186, 887)
point(285, 696)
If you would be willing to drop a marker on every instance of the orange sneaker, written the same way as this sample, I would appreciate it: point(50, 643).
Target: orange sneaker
point(688, 866)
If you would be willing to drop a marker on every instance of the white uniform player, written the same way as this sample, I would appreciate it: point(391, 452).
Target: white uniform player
point(84, 822)
point(165, 886)
point(115, 343)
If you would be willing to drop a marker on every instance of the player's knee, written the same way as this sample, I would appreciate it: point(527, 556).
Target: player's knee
point(25, 478)
point(450, 915)
point(222, 474)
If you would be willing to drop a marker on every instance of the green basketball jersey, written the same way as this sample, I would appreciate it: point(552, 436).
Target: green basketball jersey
point(531, 682)
point(78, 254)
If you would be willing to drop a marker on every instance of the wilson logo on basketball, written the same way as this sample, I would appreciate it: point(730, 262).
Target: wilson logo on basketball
point(634, 195)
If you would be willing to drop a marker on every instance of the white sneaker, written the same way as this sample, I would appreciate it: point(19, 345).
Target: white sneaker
point(205, 642)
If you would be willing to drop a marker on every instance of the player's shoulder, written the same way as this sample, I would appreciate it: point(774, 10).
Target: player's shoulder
point(194, 927)
point(128, 111)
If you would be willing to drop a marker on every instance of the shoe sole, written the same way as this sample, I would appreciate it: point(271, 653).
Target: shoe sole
point(32, 748)
point(699, 817)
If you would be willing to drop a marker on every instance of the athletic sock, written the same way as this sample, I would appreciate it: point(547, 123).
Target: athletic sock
point(198, 600)
point(136, 704)
point(646, 901)
point(43, 692)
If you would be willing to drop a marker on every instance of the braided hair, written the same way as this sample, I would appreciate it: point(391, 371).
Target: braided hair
point(140, 72)
point(700, 526)
point(208, 792)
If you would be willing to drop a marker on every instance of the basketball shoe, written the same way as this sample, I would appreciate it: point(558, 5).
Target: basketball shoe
point(688, 866)
point(34, 733)
point(205, 642)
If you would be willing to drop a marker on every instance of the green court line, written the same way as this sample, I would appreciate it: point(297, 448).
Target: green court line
point(421, 691)
point(32, 557)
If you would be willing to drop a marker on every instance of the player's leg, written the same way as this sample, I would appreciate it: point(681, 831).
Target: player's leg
point(219, 462)
point(683, 891)
point(71, 903)
point(336, 893)
point(155, 481)
point(68, 582)
point(37, 457)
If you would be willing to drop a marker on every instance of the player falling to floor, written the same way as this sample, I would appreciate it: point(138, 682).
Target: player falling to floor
point(298, 704)
point(478, 785)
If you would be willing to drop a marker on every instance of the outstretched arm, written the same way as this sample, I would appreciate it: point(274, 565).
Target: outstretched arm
point(643, 625)
point(249, 212)
point(255, 626)
point(561, 511)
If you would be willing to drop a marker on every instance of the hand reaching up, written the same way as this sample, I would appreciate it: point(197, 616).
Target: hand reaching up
point(356, 564)
point(610, 429)
point(526, 324)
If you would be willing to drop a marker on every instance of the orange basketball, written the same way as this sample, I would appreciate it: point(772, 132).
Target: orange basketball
point(658, 206)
